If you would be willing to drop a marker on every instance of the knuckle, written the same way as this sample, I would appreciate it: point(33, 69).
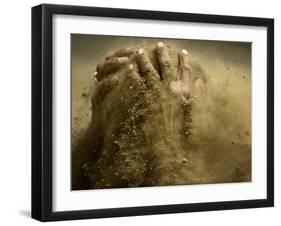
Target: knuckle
point(147, 68)
point(166, 63)
point(186, 67)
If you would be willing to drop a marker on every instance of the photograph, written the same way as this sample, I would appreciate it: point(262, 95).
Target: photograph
point(142, 112)
point(159, 111)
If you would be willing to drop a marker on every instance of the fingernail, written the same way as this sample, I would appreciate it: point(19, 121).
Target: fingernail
point(122, 60)
point(160, 44)
point(140, 51)
point(96, 80)
point(184, 51)
point(97, 77)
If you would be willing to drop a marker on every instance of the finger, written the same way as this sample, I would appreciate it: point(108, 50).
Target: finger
point(121, 53)
point(184, 67)
point(178, 88)
point(146, 68)
point(109, 66)
point(164, 61)
point(134, 79)
point(132, 74)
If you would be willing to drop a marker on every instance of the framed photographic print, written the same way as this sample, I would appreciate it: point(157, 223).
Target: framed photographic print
point(147, 112)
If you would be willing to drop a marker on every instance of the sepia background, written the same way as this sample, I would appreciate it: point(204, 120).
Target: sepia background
point(226, 124)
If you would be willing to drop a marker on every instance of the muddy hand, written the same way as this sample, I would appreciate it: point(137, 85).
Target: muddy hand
point(169, 123)
point(178, 79)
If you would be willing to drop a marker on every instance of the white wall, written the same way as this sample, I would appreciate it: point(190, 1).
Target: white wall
point(15, 111)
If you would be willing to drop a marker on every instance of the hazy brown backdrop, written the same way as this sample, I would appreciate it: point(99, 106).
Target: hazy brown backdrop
point(228, 65)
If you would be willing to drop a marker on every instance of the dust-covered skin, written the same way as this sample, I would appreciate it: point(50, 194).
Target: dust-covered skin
point(146, 127)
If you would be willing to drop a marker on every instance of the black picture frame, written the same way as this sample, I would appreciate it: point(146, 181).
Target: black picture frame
point(42, 111)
